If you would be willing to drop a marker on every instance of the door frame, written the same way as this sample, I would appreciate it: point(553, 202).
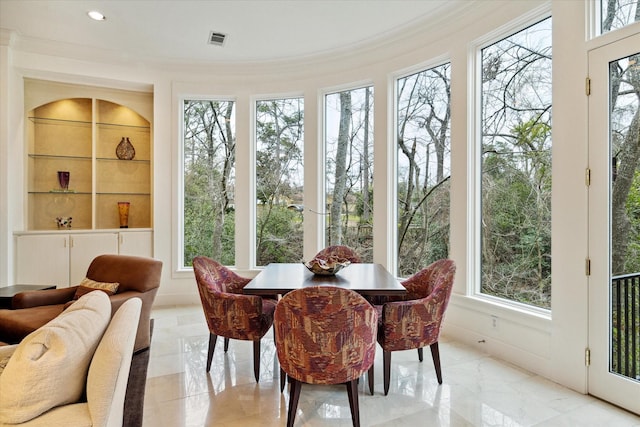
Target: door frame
point(613, 388)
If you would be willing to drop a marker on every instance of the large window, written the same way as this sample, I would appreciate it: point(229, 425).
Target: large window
point(279, 180)
point(209, 182)
point(616, 14)
point(424, 158)
point(349, 170)
point(516, 167)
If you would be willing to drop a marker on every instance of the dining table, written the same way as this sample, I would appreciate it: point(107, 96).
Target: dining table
point(367, 279)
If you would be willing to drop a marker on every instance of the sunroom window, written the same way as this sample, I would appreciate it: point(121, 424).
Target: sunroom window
point(423, 168)
point(515, 166)
point(279, 180)
point(615, 14)
point(209, 180)
point(349, 170)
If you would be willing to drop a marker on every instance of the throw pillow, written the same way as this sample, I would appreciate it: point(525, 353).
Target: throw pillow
point(87, 285)
point(49, 367)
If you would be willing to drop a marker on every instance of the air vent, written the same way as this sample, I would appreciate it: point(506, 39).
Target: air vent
point(216, 38)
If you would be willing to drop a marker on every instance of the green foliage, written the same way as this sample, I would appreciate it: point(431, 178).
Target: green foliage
point(209, 149)
point(229, 239)
point(279, 126)
point(280, 236)
point(632, 259)
point(516, 167)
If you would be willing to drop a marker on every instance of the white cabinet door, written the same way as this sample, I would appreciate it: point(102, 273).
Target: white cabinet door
point(42, 260)
point(84, 248)
point(59, 259)
point(139, 243)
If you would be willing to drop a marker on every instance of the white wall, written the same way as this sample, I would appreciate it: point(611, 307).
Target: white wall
point(553, 346)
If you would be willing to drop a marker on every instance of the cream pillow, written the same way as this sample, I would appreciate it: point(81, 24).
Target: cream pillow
point(49, 367)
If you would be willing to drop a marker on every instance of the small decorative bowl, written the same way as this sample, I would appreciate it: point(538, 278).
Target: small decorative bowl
point(64, 221)
point(325, 268)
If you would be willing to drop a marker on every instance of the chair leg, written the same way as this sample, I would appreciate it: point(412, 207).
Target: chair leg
point(226, 344)
point(352, 392)
point(435, 354)
point(371, 377)
point(386, 361)
point(283, 379)
point(294, 397)
point(256, 359)
point(212, 347)
point(420, 354)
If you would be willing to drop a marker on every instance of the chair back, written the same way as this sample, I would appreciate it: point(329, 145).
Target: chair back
point(137, 276)
point(218, 278)
point(325, 334)
point(416, 321)
point(228, 314)
point(339, 253)
point(133, 273)
point(438, 276)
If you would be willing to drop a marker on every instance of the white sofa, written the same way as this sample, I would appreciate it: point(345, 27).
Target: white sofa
point(74, 370)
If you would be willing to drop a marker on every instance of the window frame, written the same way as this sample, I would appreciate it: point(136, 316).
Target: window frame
point(322, 147)
point(253, 171)
point(394, 78)
point(473, 286)
point(180, 204)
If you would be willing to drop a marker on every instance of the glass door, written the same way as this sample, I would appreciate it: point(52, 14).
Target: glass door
point(614, 223)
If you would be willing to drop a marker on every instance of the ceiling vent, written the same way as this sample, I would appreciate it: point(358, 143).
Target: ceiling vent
point(216, 39)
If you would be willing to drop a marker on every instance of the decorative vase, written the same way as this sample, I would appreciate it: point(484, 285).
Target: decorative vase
point(63, 179)
point(125, 150)
point(123, 212)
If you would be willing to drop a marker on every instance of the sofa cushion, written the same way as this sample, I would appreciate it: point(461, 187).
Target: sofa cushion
point(3, 362)
point(49, 367)
point(87, 285)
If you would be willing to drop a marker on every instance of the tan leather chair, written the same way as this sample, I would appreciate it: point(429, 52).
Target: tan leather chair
point(137, 276)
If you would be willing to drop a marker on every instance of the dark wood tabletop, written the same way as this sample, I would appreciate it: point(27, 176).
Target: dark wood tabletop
point(366, 279)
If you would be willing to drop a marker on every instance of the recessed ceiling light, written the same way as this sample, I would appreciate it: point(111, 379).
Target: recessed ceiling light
point(94, 14)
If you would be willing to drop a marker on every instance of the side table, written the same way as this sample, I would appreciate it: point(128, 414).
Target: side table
point(7, 293)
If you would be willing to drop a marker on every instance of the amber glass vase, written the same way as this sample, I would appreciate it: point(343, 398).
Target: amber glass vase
point(123, 212)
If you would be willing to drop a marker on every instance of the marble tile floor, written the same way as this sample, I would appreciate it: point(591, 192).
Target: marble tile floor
point(478, 390)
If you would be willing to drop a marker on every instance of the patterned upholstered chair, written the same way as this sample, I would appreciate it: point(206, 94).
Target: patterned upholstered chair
point(228, 312)
point(325, 335)
point(415, 321)
point(339, 252)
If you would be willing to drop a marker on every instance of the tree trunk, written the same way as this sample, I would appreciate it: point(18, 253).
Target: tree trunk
point(366, 207)
point(220, 195)
point(335, 231)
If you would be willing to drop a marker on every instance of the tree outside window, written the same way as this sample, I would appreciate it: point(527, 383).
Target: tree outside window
point(516, 167)
point(424, 160)
point(349, 170)
point(279, 180)
point(209, 180)
point(615, 14)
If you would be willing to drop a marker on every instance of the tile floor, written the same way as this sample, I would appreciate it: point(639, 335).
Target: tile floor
point(478, 390)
